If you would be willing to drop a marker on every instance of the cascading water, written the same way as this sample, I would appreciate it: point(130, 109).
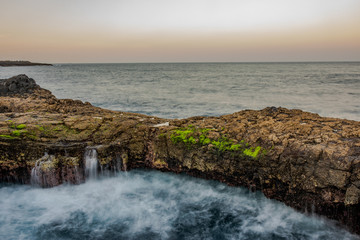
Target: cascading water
point(91, 163)
point(37, 173)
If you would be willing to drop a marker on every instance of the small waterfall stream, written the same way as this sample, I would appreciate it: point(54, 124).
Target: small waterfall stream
point(51, 170)
point(91, 163)
point(38, 177)
point(36, 174)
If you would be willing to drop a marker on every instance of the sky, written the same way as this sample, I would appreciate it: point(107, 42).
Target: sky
point(104, 31)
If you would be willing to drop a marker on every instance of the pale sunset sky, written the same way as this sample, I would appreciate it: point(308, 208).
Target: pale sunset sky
point(96, 31)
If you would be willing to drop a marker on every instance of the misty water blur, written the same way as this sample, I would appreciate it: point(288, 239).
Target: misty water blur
point(152, 205)
point(179, 90)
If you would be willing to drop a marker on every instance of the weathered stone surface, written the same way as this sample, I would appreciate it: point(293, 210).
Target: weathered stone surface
point(306, 161)
point(352, 195)
point(17, 84)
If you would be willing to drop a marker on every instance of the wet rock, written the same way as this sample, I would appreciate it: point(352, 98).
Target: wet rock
point(51, 170)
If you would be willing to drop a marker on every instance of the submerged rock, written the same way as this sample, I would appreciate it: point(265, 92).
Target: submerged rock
point(309, 162)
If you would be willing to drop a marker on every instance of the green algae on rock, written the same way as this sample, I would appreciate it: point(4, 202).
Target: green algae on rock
point(192, 136)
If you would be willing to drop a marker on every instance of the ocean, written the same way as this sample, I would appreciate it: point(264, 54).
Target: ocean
point(143, 204)
point(180, 90)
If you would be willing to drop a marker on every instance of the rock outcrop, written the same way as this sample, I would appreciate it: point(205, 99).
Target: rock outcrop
point(309, 162)
point(18, 84)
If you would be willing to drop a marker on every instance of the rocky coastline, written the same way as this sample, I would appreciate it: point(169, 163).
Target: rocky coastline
point(309, 162)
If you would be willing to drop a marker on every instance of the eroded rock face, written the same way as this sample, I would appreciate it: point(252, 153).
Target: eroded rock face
point(306, 161)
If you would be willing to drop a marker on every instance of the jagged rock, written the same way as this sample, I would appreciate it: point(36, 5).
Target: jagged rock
point(306, 161)
point(18, 84)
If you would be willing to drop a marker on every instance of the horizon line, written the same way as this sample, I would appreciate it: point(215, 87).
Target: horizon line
point(246, 62)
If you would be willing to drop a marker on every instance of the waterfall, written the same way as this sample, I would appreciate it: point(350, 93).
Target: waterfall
point(51, 170)
point(38, 173)
point(91, 163)
point(118, 163)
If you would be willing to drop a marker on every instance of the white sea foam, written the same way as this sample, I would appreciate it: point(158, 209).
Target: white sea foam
point(152, 205)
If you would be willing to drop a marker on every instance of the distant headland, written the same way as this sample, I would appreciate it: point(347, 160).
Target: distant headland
point(21, 63)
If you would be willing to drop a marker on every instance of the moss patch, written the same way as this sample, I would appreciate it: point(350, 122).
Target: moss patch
point(20, 126)
point(14, 126)
point(8, 137)
point(55, 131)
point(252, 152)
point(192, 136)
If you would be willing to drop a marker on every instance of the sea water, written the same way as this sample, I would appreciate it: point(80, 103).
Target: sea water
point(180, 90)
point(152, 205)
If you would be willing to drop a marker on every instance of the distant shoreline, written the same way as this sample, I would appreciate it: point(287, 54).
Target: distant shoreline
point(21, 63)
point(275, 62)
